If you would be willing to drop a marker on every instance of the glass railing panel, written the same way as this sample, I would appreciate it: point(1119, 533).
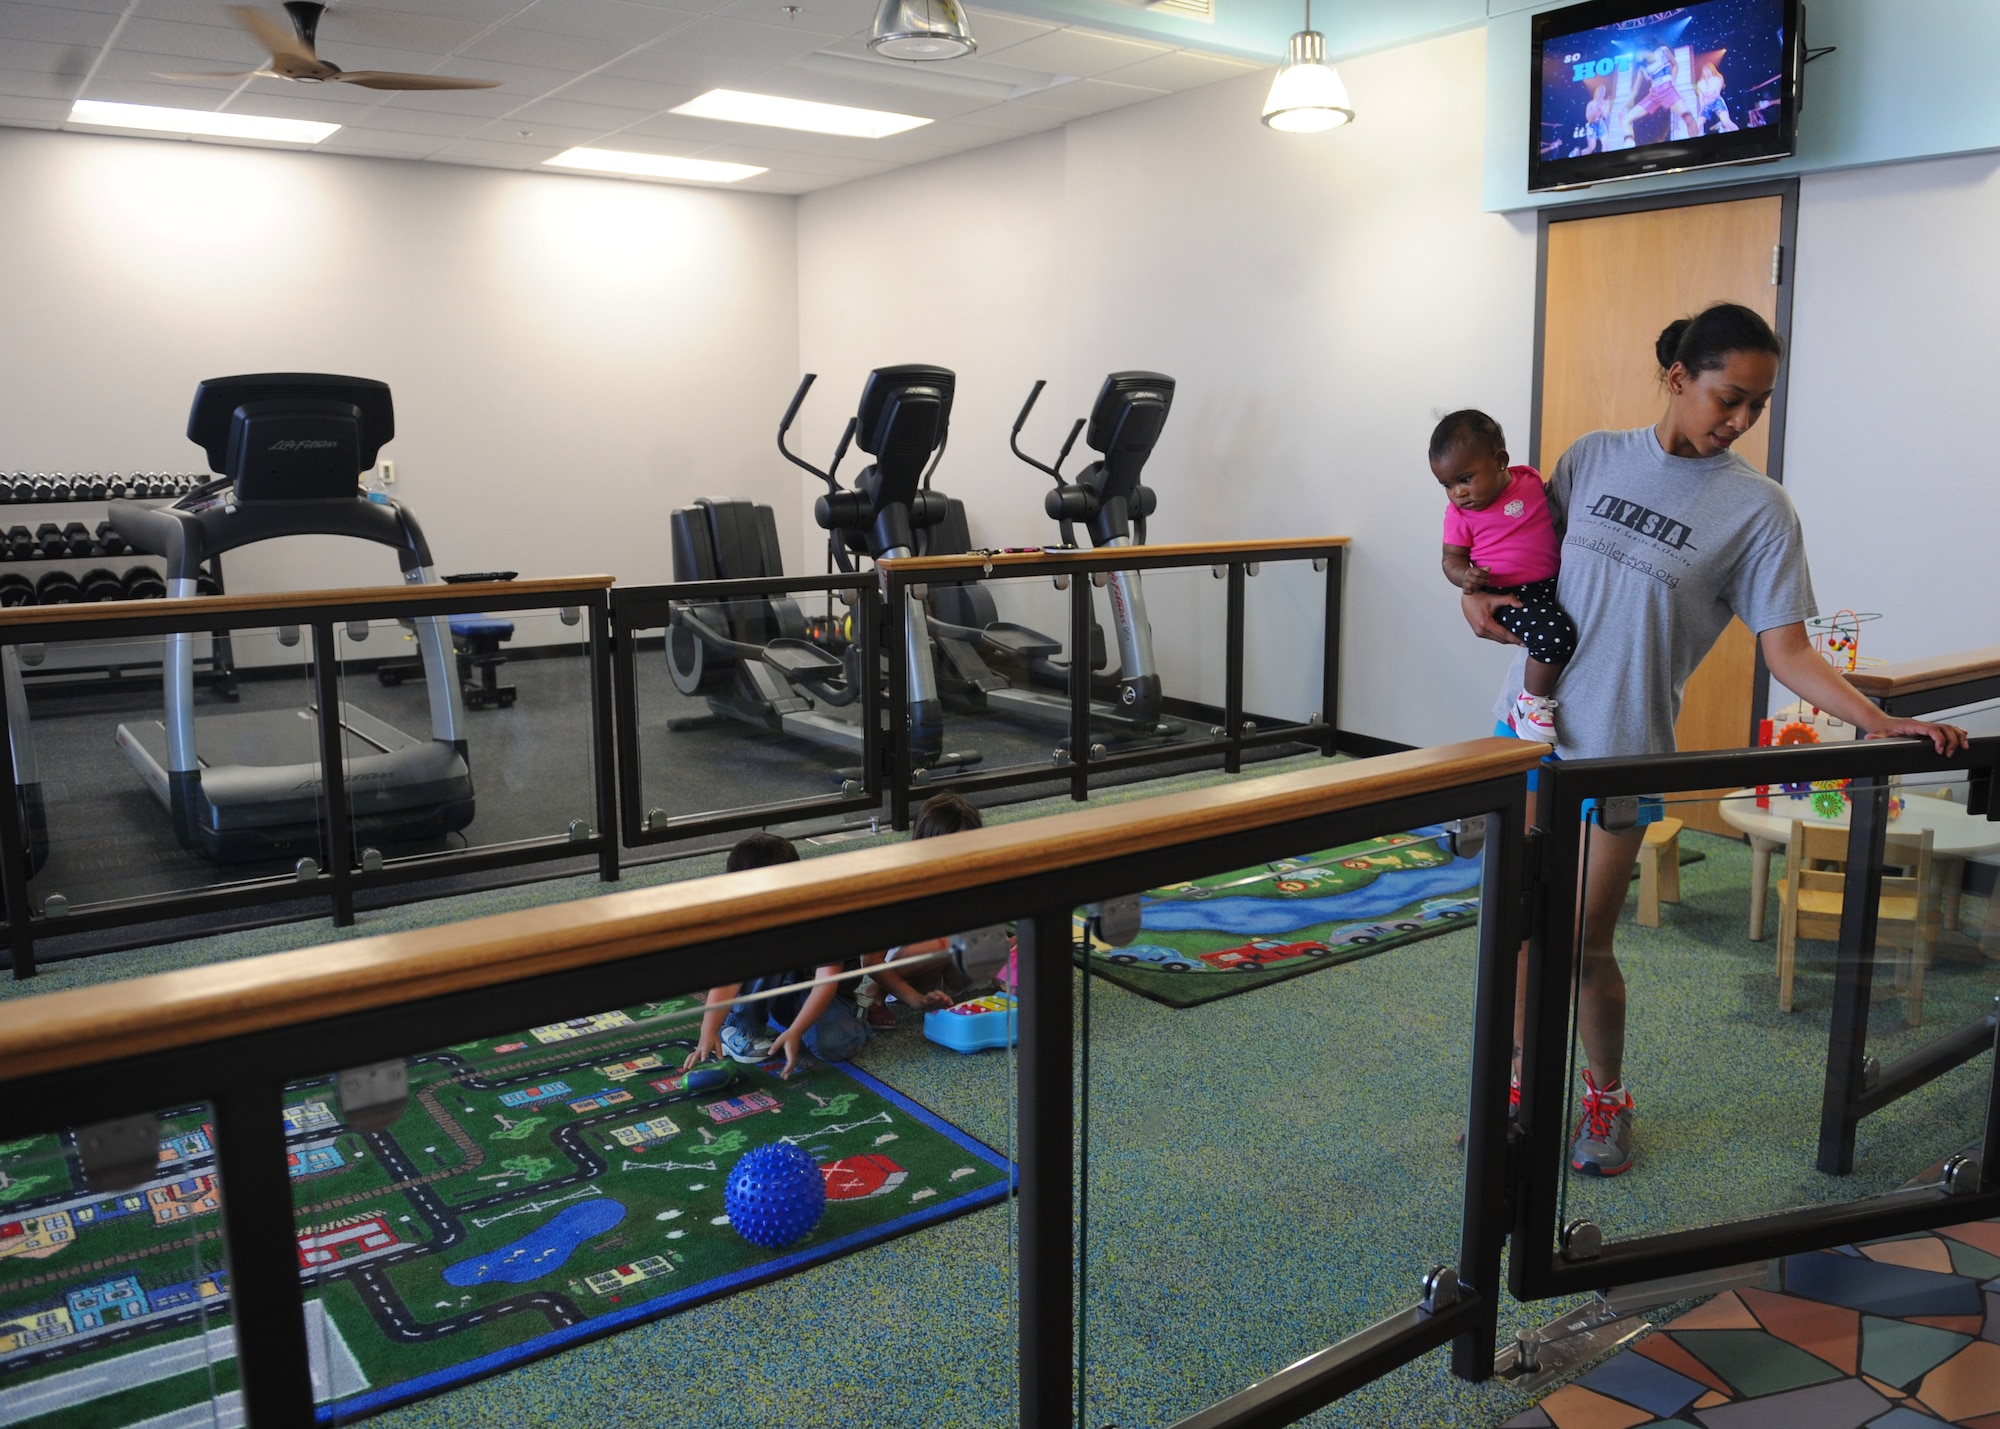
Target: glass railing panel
point(1716, 966)
point(1165, 683)
point(524, 768)
point(1284, 646)
point(1002, 654)
point(719, 733)
point(114, 1298)
point(97, 749)
point(1274, 1083)
point(577, 1189)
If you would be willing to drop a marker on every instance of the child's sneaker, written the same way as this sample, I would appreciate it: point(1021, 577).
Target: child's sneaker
point(1603, 1145)
point(1535, 717)
point(740, 1046)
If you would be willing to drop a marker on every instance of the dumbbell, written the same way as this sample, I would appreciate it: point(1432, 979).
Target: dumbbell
point(58, 588)
point(49, 542)
point(20, 543)
point(109, 540)
point(10, 484)
point(143, 583)
point(61, 488)
point(16, 590)
point(98, 488)
point(100, 584)
point(41, 488)
point(77, 537)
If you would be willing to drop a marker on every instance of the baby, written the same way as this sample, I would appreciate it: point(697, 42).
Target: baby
point(1499, 537)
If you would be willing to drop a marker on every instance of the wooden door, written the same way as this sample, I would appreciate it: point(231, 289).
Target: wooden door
point(1613, 283)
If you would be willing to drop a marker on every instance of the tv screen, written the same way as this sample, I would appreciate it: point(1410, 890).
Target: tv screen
point(1623, 90)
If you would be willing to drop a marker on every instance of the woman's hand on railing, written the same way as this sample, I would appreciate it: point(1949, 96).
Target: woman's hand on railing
point(1479, 606)
point(1947, 739)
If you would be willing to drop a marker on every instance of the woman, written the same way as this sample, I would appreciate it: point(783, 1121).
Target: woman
point(1668, 533)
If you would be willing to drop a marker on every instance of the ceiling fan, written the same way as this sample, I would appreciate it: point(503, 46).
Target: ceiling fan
point(293, 56)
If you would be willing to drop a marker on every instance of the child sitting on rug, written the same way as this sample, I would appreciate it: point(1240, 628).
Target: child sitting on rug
point(927, 987)
point(1500, 538)
point(822, 1019)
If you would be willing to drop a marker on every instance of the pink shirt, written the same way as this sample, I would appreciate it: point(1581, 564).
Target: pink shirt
point(1513, 537)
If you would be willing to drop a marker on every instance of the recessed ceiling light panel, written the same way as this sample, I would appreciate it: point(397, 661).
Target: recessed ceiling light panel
point(769, 109)
point(652, 166)
point(215, 123)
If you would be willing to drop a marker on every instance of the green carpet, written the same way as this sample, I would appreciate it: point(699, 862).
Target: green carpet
point(1265, 1174)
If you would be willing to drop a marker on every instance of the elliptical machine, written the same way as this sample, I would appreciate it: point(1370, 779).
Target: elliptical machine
point(995, 664)
point(757, 658)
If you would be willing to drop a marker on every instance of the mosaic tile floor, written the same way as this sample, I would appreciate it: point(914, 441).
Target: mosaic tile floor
point(1895, 1334)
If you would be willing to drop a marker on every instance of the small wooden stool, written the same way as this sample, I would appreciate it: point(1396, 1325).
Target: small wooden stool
point(1659, 870)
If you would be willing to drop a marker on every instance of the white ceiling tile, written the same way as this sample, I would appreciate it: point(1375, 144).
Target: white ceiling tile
point(487, 103)
point(400, 30)
point(554, 137)
point(137, 64)
point(931, 104)
point(395, 118)
point(777, 182)
point(951, 137)
point(995, 31)
point(1015, 118)
point(320, 103)
point(22, 110)
point(1180, 70)
point(51, 26)
point(729, 39)
point(1088, 96)
point(160, 91)
point(836, 165)
point(791, 82)
point(518, 83)
point(674, 65)
point(352, 139)
point(1078, 52)
point(638, 94)
point(835, 17)
point(38, 85)
point(611, 21)
point(489, 151)
point(598, 118)
point(475, 12)
point(512, 45)
point(236, 48)
point(681, 129)
point(631, 141)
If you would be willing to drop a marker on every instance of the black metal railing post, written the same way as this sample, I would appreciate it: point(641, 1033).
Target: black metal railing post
point(1854, 975)
point(14, 851)
point(333, 772)
point(266, 1299)
point(895, 598)
point(1082, 671)
point(1486, 1222)
point(1329, 694)
point(1047, 1196)
point(1232, 665)
point(625, 674)
point(868, 630)
point(603, 741)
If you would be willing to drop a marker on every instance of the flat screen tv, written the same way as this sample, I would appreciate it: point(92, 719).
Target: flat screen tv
point(1622, 90)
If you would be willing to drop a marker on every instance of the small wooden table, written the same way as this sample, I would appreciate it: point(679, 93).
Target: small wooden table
point(1955, 837)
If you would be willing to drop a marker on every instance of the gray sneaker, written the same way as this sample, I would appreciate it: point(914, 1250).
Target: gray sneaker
point(1603, 1145)
point(740, 1046)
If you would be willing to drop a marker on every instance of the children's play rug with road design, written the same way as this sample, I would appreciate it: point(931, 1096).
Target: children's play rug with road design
point(1235, 931)
point(539, 1189)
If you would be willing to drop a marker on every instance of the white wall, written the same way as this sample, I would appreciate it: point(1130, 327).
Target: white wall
point(1320, 299)
point(570, 358)
point(1889, 451)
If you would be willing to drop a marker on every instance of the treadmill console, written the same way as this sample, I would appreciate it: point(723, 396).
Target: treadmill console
point(292, 436)
point(1126, 422)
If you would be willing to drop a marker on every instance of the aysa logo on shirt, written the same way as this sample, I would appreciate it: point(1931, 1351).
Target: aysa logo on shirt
point(1646, 522)
point(1514, 508)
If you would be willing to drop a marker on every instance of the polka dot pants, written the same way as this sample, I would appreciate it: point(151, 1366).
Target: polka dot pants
point(1544, 626)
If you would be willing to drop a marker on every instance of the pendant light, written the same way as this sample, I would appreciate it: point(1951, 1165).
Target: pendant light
point(921, 30)
point(1307, 96)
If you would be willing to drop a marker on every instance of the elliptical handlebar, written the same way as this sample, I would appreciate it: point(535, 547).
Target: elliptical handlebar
point(785, 425)
point(1014, 437)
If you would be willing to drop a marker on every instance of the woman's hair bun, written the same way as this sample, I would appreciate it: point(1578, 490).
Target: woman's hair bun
point(1669, 345)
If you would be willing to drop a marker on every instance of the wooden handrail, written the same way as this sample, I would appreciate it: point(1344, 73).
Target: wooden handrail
point(1915, 676)
point(86, 1026)
point(202, 609)
point(999, 560)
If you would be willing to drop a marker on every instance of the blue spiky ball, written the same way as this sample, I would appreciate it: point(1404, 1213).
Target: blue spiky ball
point(775, 1195)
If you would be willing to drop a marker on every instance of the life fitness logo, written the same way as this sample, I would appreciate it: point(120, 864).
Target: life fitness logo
point(1514, 508)
point(303, 444)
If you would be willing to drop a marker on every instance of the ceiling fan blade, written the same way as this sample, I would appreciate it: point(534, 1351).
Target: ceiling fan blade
point(387, 79)
point(273, 35)
point(245, 74)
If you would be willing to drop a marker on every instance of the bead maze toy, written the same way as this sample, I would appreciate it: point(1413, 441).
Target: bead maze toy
point(975, 1025)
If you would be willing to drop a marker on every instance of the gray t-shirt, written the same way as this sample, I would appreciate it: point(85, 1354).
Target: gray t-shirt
point(1658, 552)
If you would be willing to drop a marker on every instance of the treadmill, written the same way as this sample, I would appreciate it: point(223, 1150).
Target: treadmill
point(240, 787)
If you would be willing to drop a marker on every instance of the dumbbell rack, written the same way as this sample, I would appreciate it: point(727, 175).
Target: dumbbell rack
point(27, 495)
